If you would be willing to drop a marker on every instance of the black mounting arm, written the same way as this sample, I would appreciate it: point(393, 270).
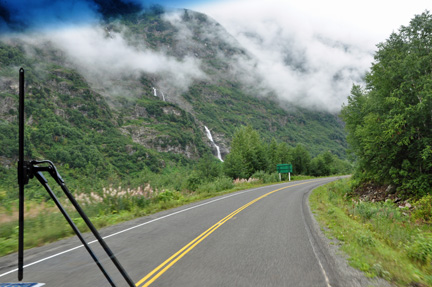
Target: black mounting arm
point(36, 171)
point(30, 169)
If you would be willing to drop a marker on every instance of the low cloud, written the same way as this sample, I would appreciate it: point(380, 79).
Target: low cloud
point(203, 37)
point(305, 61)
point(308, 52)
point(105, 58)
point(111, 65)
point(310, 71)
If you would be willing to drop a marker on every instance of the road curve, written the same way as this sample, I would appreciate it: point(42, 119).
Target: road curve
point(257, 237)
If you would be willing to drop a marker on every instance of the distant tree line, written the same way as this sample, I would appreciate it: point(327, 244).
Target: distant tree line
point(250, 154)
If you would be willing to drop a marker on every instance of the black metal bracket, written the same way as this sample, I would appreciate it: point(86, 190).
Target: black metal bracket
point(34, 169)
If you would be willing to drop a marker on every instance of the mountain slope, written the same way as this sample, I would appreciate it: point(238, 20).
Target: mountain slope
point(136, 91)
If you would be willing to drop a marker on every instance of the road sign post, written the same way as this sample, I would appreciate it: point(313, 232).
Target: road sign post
point(284, 168)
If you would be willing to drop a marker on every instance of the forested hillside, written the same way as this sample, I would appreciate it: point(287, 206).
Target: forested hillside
point(113, 118)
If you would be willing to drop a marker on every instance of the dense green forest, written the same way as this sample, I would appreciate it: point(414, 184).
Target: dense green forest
point(389, 121)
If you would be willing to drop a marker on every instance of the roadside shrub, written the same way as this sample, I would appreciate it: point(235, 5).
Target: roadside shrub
point(193, 181)
point(168, 195)
point(423, 209)
point(265, 177)
point(260, 175)
point(270, 177)
point(338, 190)
point(333, 196)
point(378, 270)
point(8, 245)
point(219, 184)
point(224, 183)
point(389, 211)
point(9, 229)
point(420, 250)
point(114, 200)
point(365, 240)
point(365, 210)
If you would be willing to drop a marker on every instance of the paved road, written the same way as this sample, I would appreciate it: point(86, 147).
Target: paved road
point(258, 237)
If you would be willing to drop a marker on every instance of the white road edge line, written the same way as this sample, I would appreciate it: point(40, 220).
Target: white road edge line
point(312, 244)
point(133, 227)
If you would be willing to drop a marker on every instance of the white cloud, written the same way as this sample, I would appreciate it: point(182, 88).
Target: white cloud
point(311, 52)
point(105, 58)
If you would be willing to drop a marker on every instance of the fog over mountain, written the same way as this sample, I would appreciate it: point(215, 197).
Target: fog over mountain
point(312, 52)
point(305, 66)
point(300, 55)
point(103, 55)
point(310, 71)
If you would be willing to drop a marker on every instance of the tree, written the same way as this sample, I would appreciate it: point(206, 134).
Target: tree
point(300, 160)
point(209, 167)
point(247, 155)
point(284, 153)
point(390, 123)
point(322, 165)
point(277, 153)
point(272, 155)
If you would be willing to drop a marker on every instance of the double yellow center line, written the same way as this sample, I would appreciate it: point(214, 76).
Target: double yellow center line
point(162, 268)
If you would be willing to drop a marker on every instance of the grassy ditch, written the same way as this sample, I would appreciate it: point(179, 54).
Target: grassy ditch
point(380, 238)
point(112, 205)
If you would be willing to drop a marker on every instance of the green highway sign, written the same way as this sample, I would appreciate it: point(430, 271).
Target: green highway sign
point(284, 168)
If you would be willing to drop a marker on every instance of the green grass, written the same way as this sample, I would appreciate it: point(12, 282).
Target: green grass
point(380, 239)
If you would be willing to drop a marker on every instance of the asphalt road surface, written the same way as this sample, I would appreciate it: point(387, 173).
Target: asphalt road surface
point(257, 237)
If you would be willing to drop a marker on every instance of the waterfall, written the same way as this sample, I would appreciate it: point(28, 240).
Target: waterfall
point(163, 96)
point(155, 94)
point(209, 135)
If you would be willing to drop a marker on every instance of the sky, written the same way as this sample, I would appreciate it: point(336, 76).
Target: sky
point(308, 52)
point(366, 21)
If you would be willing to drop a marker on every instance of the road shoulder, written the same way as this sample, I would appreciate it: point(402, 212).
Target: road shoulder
point(341, 273)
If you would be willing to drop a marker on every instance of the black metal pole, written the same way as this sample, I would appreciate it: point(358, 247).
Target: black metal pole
point(43, 181)
point(96, 234)
point(21, 177)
